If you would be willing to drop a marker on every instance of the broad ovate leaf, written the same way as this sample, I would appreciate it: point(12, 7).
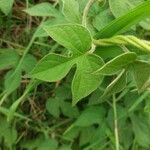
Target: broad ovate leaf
point(123, 23)
point(117, 85)
point(49, 22)
point(28, 63)
point(141, 74)
point(53, 106)
point(71, 11)
point(52, 67)
point(117, 64)
point(75, 38)
point(43, 9)
point(91, 115)
point(6, 6)
point(84, 82)
point(68, 110)
point(8, 58)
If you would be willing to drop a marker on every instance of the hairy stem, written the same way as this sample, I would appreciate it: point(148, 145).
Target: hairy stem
point(115, 123)
point(85, 12)
point(124, 40)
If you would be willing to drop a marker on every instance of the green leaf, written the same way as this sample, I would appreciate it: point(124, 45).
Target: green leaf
point(86, 135)
point(108, 52)
point(84, 82)
point(32, 144)
point(16, 103)
point(50, 22)
point(64, 91)
point(94, 9)
point(71, 11)
point(48, 144)
point(28, 63)
point(12, 80)
point(124, 22)
point(53, 106)
point(117, 85)
point(119, 8)
point(91, 115)
point(52, 67)
point(100, 134)
point(126, 136)
point(8, 58)
point(141, 129)
point(122, 7)
point(65, 147)
point(8, 132)
point(96, 97)
point(116, 64)
point(10, 135)
point(146, 23)
point(71, 133)
point(6, 6)
point(75, 38)
point(43, 9)
point(68, 110)
point(102, 19)
point(141, 74)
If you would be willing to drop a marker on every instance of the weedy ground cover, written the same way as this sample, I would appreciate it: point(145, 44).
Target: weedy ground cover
point(75, 75)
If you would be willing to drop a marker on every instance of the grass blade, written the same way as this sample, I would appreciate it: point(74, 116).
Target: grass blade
point(124, 22)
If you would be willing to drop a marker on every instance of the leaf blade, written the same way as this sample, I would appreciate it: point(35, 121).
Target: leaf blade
point(52, 67)
point(141, 74)
point(124, 22)
point(6, 6)
point(43, 9)
point(71, 11)
point(117, 85)
point(75, 38)
point(84, 82)
point(8, 58)
point(116, 64)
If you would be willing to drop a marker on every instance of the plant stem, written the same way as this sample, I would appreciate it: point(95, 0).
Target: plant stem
point(12, 43)
point(138, 101)
point(21, 60)
point(25, 53)
point(3, 99)
point(85, 12)
point(5, 112)
point(28, 47)
point(115, 123)
point(124, 40)
point(15, 105)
